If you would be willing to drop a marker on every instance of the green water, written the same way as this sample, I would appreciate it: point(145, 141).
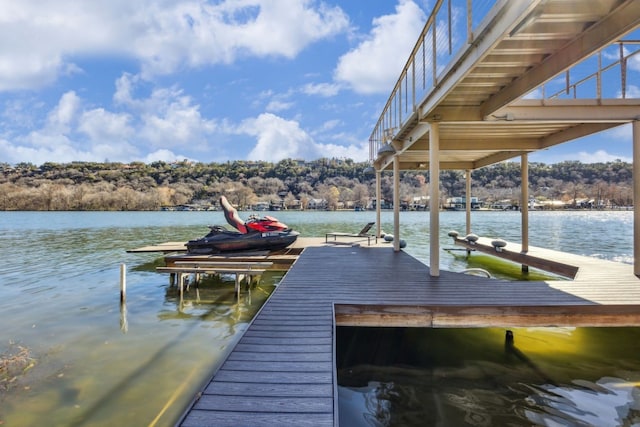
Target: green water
point(454, 377)
point(78, 358)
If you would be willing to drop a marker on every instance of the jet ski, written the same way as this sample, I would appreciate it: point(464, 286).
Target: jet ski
point(266, 233)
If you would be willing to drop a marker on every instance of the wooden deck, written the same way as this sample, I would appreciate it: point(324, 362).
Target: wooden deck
point(282, 371)
point(176, 253)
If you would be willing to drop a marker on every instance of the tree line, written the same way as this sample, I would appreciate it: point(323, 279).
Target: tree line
point(291, 183)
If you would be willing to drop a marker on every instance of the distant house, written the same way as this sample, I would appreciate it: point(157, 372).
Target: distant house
point(504, 205)
point(260, 206)
point(419, 203)
point(319, 204)
point(460, 203)
point(383, 204)
point(293, 204)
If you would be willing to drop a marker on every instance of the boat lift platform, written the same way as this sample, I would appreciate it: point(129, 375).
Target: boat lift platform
point(563, 264)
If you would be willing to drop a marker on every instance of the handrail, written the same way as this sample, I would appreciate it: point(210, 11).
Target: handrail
point(621, 62)
point(436, 44)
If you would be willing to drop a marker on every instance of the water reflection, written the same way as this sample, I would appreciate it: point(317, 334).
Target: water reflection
point(432, 377)
point(609, 401)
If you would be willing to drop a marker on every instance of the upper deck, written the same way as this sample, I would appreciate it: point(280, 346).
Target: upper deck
point(505, 78)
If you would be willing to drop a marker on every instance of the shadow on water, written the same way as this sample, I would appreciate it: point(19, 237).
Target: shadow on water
point(476, 377)
point(498, 268)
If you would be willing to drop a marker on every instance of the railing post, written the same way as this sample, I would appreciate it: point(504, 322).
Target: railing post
point(413, 85)
point(469, 22)
point(599, 77)
point(623, 72)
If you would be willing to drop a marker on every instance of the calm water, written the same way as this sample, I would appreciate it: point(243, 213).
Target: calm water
point(72, 356)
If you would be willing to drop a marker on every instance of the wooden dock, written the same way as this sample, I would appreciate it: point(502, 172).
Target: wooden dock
point(282, 371)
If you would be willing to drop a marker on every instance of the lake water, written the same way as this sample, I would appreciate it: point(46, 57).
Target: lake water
point(70, 355)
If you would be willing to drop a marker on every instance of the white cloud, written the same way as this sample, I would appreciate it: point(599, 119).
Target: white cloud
point(277, 105)
point(162, 155)
point(623, 133)
point(285, 28)
point(181, 124)
point(164, 119)
point(104, 126)
point(632, 91)
point(599, 156)
point(41, 39)
point(321, 89)
point(366, 68)
point(331, 124)
point(534, 94)
point(168, 116)
point(62, 116)
point(358, 153)
point(278, 138)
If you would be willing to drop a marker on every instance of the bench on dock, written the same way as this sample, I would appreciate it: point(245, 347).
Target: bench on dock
point(364, 233)
point(240, 270)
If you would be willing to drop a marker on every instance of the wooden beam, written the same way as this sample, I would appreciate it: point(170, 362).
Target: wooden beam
point(480, 144)
point(567, 112)
point(575, 132)
point(614, 26)
point(485, 316)
point(495, 158)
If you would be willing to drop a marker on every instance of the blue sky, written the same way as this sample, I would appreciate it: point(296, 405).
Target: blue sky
point(150, 80)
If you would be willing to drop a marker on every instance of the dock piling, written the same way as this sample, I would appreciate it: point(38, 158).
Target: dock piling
point(123, 283)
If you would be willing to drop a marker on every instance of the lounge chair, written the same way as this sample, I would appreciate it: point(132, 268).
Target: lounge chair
point(364, 233)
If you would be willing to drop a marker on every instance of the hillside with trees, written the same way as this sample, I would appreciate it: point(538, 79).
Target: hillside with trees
point(291, 184)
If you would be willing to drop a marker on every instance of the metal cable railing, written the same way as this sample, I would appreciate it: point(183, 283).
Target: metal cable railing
point(610, 78)
point(449, 28)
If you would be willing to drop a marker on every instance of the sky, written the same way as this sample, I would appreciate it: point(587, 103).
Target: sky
point(211, 81)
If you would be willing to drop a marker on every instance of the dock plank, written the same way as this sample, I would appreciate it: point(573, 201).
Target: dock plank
point(272, 390)
point(281, 357)
point(252, 404)
point(275, 348)
point(201, 418)
point(279, 366)
point(269, 378)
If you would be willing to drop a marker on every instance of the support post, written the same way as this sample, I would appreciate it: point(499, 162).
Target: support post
point(467, 176)
point(524, 205)
point(378, 207)
point(181, 277)
point(636, 197)
point(123, 283)
point(434, 200)
point(396, 203)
